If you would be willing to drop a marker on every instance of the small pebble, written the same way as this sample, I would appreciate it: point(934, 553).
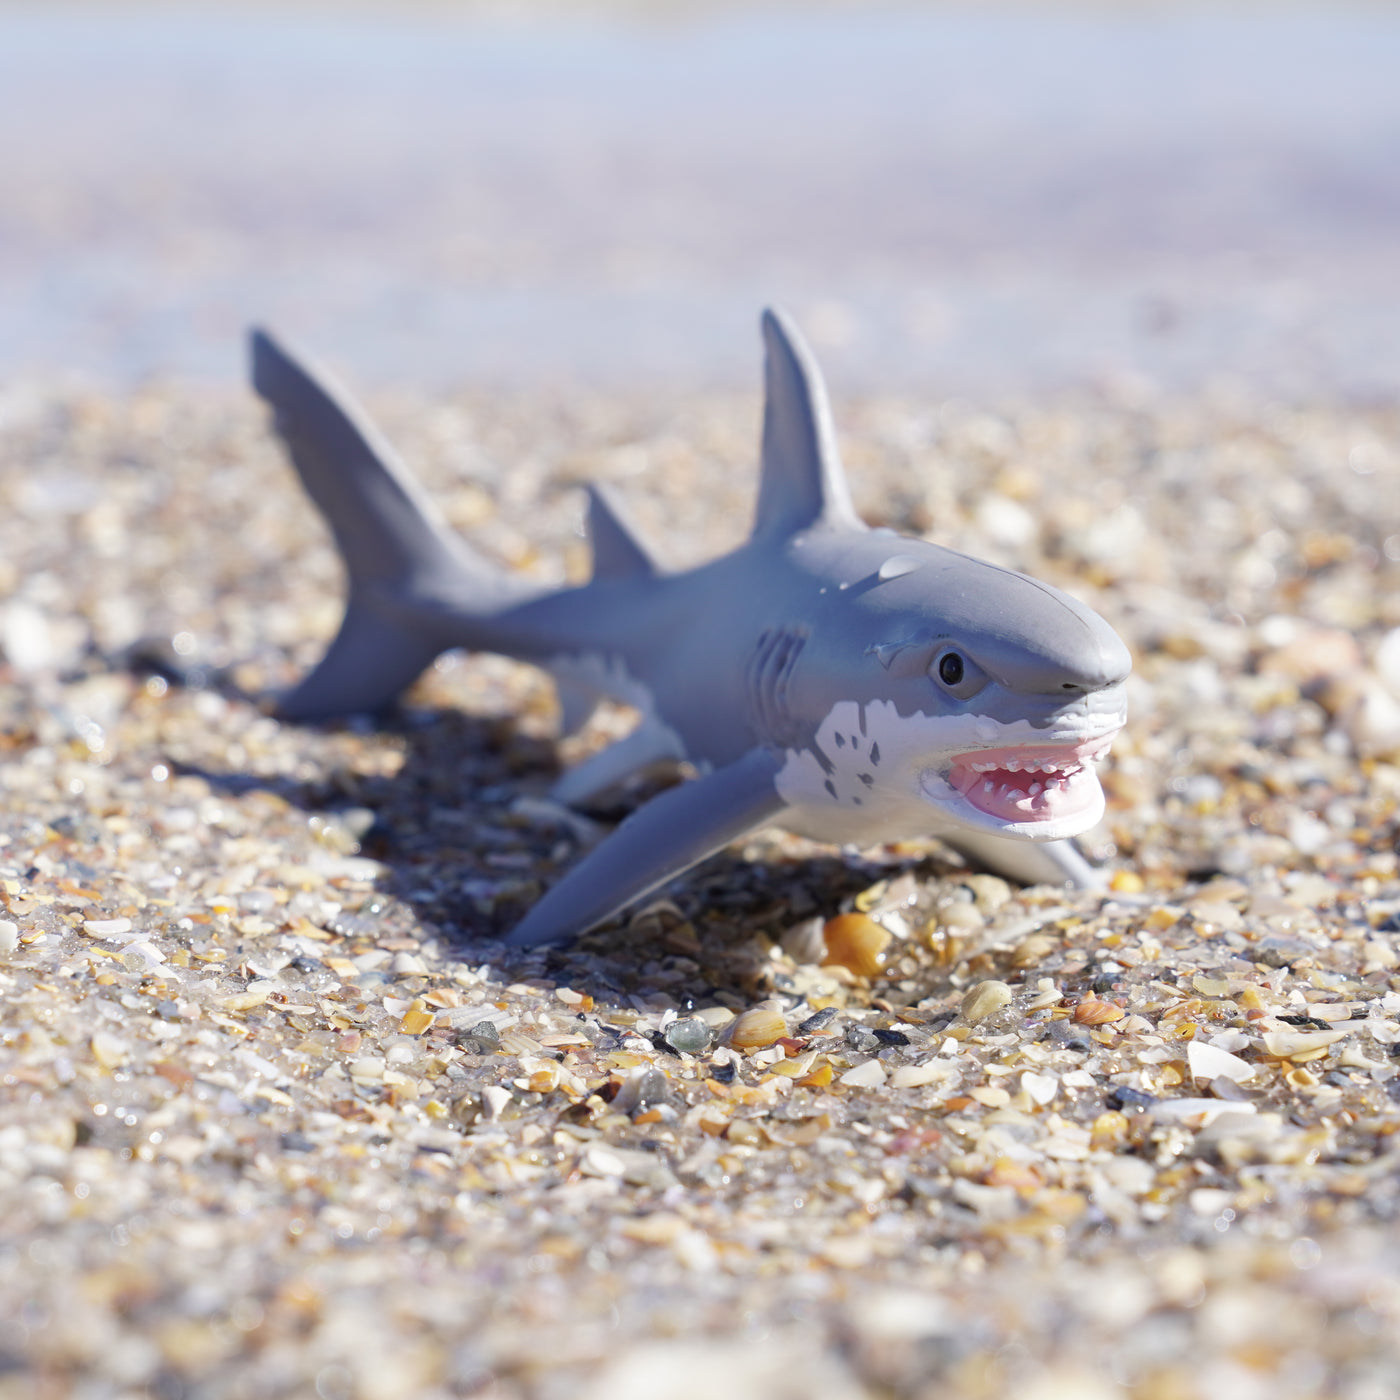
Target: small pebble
point(989, 892)
point(481, 1039)
point(110, 1051)
point(914, 1076)
point(1280, 952)
point(602, 1161)
point(805, 942)
point(861, 1038)
point(690, 1035)
point(494, 1099)
point(716, 1017)
point(889, 1037)
point(818, 1021)
point(1033, 950)
point(1125, 1097)
point(985, 999)
point(963, 917)
point(647, 1088)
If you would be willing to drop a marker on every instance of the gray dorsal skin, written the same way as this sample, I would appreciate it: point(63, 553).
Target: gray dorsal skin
point(841, 682)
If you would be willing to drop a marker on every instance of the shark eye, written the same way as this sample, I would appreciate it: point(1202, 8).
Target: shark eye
point(959, 674)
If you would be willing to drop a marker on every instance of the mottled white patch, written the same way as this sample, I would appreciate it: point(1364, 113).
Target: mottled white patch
point(888, 776)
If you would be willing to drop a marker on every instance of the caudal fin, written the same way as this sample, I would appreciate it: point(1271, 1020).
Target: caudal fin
point(409, 578)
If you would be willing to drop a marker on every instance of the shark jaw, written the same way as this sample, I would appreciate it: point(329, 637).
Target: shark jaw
point(876, 775)
point(1036, 791)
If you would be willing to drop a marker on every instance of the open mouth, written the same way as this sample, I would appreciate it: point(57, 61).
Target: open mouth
point(1030, 783)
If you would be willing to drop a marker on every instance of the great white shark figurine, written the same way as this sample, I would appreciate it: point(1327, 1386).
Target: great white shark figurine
point(841, 682)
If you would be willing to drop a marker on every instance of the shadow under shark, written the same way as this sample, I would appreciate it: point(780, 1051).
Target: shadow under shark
point(843, 683)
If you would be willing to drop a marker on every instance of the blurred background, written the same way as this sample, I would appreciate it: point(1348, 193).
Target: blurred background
point(963, 199)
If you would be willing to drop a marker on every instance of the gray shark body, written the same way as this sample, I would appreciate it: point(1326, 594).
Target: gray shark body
point(844, 683)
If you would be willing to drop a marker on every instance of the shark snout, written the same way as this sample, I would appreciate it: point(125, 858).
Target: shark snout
point(1104, 662)
point(1069, 651)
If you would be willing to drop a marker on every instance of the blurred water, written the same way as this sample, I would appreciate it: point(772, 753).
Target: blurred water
point(959, 199)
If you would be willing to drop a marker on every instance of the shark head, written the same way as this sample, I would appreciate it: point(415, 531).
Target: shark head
point(921, 689)
point(934, 687)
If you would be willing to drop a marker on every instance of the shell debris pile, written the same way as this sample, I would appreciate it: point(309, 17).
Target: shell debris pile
point(282, 1117)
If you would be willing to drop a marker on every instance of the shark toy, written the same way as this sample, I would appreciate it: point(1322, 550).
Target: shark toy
point(841, 682)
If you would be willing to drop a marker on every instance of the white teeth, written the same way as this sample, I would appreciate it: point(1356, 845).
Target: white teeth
point(1057, 771)
point(989, 787)
point(1037, 789)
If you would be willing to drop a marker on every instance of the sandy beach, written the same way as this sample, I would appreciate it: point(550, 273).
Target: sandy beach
point(284, 1119)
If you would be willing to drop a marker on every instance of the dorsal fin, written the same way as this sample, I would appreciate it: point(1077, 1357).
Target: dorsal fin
point(617, 553)
point(803, 483)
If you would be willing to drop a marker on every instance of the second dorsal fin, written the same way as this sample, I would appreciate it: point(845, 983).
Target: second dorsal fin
point(617, 553)
point(803, 483)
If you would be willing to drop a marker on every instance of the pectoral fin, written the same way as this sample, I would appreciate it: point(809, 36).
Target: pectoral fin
point(648, 744)
point(1029, 862)
point(671, 833)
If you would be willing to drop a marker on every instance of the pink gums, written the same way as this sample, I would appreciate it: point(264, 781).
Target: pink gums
point(1036, 783)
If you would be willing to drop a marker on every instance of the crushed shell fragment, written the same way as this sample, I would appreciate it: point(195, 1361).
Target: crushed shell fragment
point(1093, 1012)
point(416, 1019)
point(106, 928)
point(857, 942)
point(758, 1027)
point(1286, 1045)
point(1208, 1062)
point(914, 1076)
point(870, 1075)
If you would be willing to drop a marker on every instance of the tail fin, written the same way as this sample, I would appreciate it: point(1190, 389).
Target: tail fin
point(407, 572)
